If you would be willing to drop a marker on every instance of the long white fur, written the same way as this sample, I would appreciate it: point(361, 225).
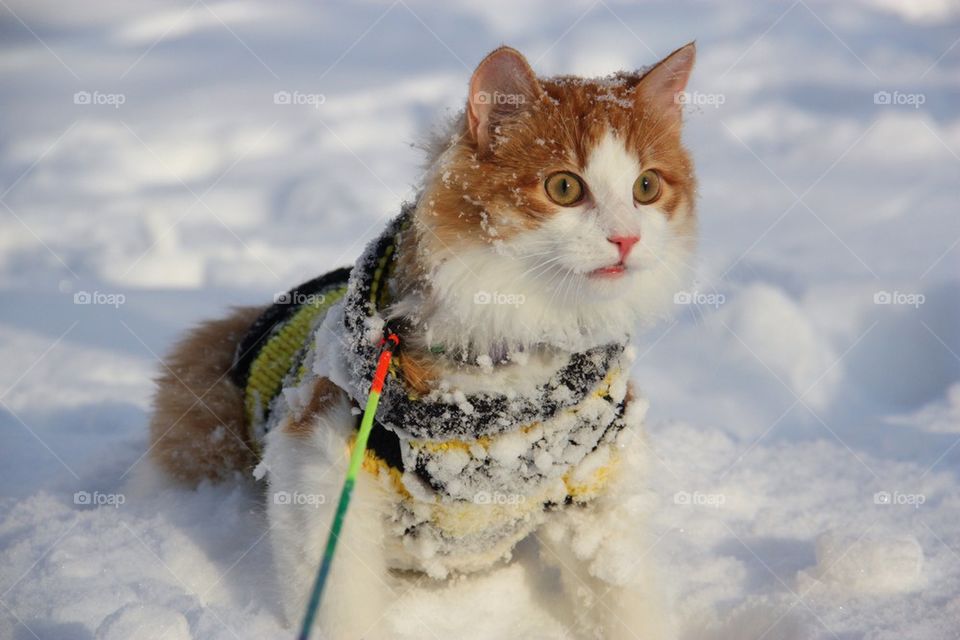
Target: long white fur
point(359, 591)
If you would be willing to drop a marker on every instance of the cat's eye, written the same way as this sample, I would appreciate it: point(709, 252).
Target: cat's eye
point(564, 188)
point(647, 187)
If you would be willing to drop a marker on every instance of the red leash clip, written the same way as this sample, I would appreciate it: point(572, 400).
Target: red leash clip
point(389, 343)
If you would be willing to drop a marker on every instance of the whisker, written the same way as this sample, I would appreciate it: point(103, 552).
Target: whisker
point(540, 265)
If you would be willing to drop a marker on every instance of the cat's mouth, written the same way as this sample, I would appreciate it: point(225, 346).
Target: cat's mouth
point(612, 271)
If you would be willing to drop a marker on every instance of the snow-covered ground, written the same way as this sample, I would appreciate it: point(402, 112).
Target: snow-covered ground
point(804, 434)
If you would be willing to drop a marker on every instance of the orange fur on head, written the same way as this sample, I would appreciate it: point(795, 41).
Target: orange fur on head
point(517, 130)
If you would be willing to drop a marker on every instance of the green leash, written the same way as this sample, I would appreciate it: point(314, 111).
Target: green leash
point(356, 460)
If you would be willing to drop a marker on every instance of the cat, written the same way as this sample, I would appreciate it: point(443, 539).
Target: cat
point(557, 217)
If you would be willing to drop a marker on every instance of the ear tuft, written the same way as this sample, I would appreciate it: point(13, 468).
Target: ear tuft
point(502, 85)
point(661, 85)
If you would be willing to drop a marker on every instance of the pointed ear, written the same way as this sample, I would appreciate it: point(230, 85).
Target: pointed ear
point(661, 85)
point(502, 85)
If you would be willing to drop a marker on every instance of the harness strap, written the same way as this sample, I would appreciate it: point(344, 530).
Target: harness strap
point(276, 316)
point(275, 344)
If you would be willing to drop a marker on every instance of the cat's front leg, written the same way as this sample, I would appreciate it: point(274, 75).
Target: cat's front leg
point(605, 558)
point(603, 605)
point(306, 457)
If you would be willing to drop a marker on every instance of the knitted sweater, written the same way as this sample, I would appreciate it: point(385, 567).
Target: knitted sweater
point(470, 473)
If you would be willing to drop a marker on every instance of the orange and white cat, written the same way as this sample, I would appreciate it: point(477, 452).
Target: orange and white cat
point(556, 219)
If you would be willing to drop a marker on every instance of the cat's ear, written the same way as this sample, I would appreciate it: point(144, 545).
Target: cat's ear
point(661, 85)
point(502, 85)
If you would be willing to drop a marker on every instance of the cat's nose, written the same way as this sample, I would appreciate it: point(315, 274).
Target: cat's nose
point(624, 244)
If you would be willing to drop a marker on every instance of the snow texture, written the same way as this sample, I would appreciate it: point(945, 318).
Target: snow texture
point(804, 407)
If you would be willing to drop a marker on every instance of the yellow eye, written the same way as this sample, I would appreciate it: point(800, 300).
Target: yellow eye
point(564, 188)
point(647, 187)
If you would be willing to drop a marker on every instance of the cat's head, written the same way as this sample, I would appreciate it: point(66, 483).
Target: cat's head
point(562, 209)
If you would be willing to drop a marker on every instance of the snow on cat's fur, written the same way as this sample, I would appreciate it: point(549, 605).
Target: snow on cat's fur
point(535, 287)
point(502, 264)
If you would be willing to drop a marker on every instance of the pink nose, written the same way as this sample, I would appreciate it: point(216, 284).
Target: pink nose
point(624, 244)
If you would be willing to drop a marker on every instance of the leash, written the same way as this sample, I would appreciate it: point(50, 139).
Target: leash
point(356, 460)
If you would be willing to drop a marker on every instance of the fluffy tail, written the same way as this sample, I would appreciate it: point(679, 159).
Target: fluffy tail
point(198, 429)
